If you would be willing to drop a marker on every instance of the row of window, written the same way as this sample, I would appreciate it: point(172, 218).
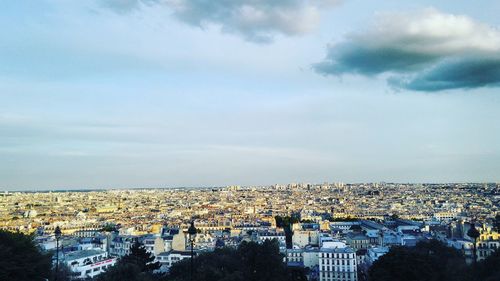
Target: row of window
point(338, 274)
point(164, 258)
point(336, 255)
point(339, 262)
point(336, 268)
point(96, 269)
point(485, 245)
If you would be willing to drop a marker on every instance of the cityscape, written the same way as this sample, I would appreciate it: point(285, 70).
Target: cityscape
point(250, 140)
point(339, 231)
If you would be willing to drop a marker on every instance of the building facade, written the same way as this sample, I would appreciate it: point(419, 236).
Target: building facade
point(337, 264)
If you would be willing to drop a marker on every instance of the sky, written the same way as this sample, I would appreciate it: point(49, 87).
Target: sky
point(172, 93)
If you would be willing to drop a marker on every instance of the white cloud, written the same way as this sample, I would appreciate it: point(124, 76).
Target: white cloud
point(432, 32)
point(417, 47)
point(256, 20)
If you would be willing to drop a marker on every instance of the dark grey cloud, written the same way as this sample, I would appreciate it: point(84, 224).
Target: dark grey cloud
point(255, 20)
point(426, 51)
point(454, 74)
point(366, 60)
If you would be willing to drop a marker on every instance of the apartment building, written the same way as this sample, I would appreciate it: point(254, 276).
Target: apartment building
point(337, 264)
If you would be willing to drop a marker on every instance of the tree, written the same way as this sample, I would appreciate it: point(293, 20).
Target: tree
point(428, 261)
point(474, 234)
point(136, 266)
point(126, 271)
point(63, 273)
point(394, 217)
point(249, 262)
point(488, 269)
point(286, 223)
point(21, 260)
point(141, 258)
point(109, 227)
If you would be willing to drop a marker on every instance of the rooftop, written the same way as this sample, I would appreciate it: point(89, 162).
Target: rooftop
point(83, 254)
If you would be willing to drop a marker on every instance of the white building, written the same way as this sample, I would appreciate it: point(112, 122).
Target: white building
point(302, 238)
point(266, 235)
point(345, 226)
point(445, 216)
point(324, 237)
point(202, 241)
point(88, 263)
point(167, 259)
point(295, 256)
point(174, 239)
point(333, 244)
point(311, 257)
point(153, 244)
point(121, 244)
point(486, 248)
point(306, 257)
point(337, 264)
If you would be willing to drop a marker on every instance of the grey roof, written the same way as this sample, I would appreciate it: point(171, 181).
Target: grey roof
point(337, 250)
point(379, 250)
point(82, 254)
point(356, 236)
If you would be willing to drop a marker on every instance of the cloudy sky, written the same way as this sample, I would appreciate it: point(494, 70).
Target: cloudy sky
point(158, 93)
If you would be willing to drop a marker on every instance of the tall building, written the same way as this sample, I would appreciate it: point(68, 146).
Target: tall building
point(337, 264)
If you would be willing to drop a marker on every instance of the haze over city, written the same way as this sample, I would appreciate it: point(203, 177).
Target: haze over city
point(146, 93)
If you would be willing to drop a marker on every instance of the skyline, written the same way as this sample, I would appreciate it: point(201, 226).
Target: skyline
point(186, 93)
point(163, 188)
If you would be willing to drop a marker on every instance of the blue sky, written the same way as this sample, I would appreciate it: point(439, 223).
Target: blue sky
point(158, 93)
